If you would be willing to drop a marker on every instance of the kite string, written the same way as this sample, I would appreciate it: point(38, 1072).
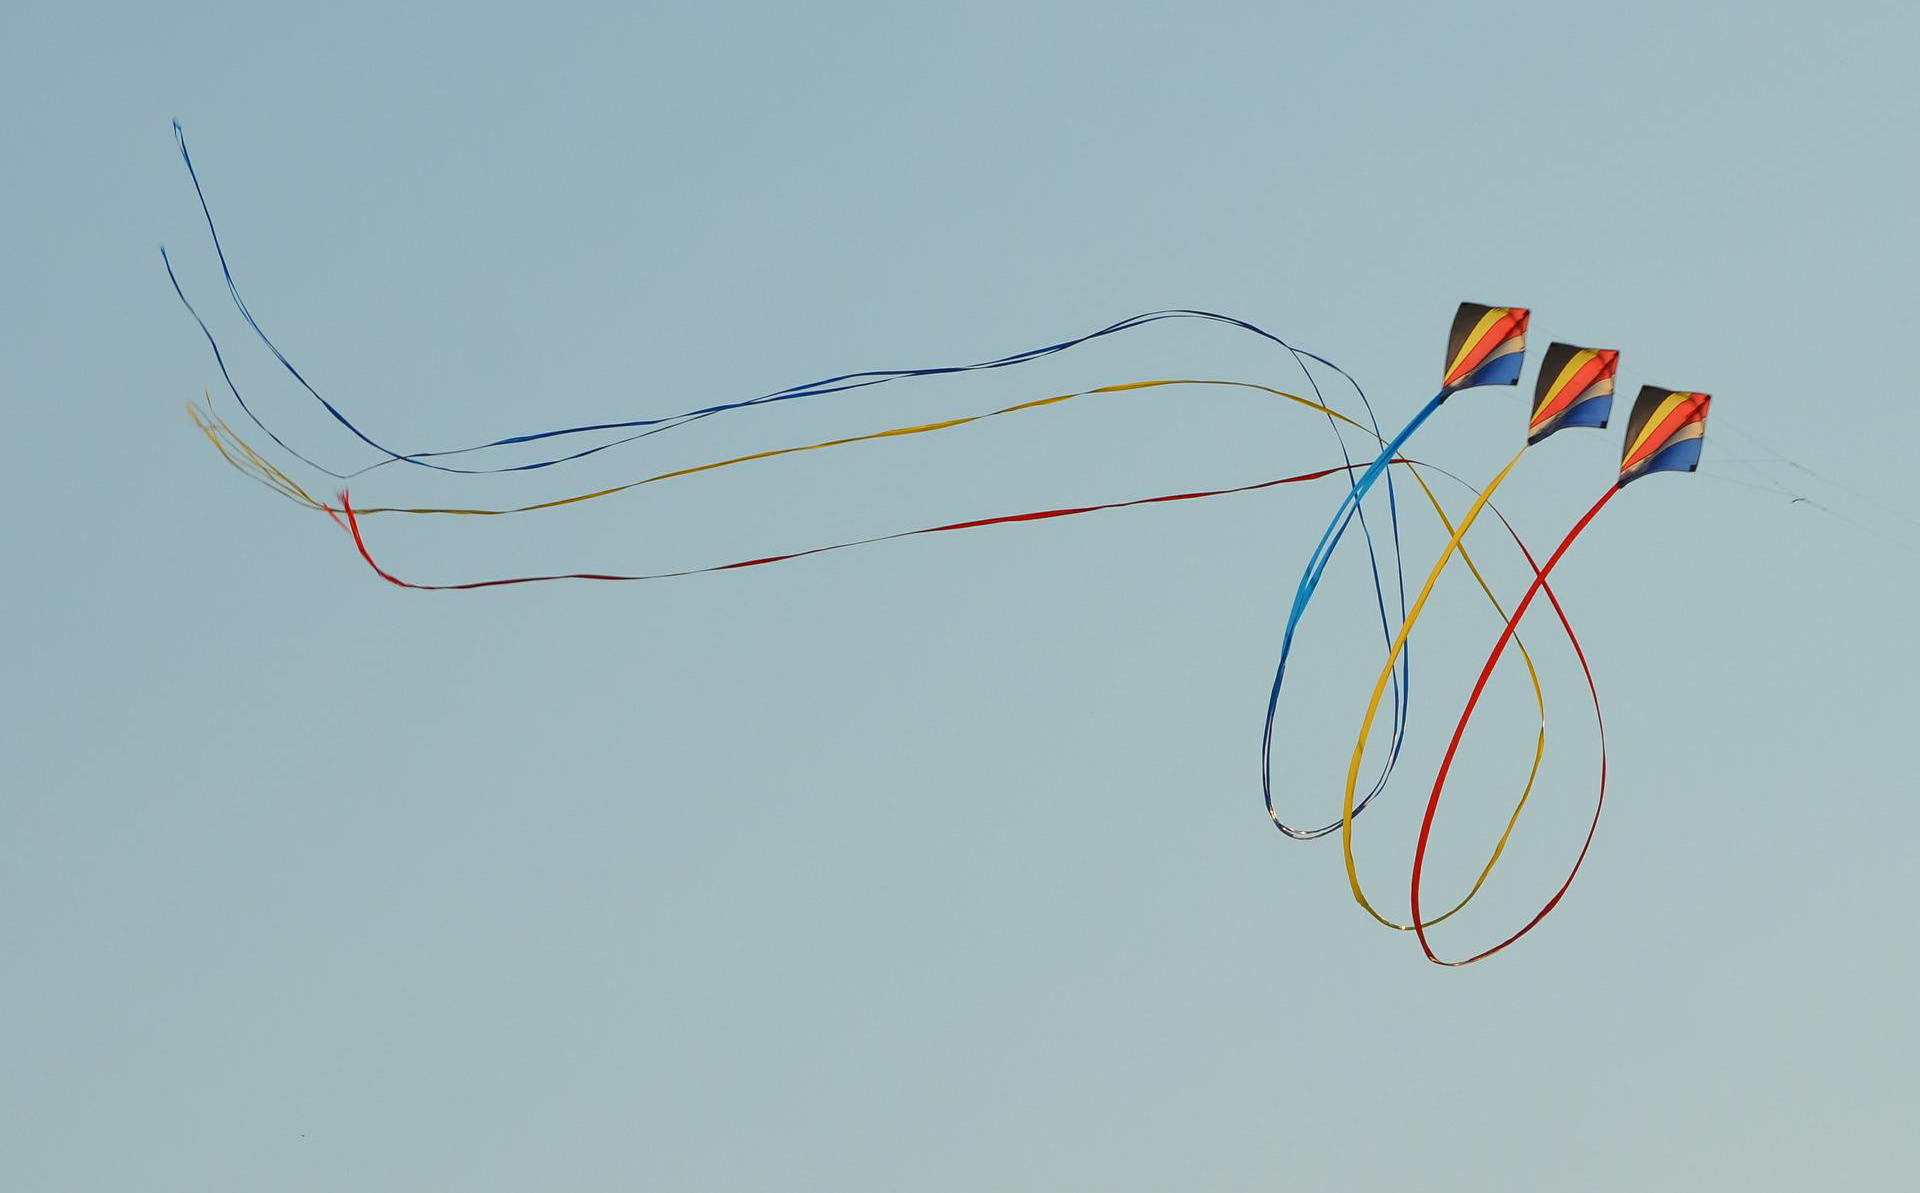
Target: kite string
point(1772, 483)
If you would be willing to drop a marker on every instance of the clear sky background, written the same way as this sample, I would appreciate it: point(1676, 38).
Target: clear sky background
point(941, 865)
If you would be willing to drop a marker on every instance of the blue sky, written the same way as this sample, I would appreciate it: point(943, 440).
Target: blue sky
point(940, 865)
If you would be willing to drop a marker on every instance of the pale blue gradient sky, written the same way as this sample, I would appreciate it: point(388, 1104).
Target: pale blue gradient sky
point(939, 865)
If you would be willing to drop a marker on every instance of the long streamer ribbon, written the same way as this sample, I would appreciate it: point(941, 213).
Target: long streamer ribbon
point(1373, 707)
point(1507, 633)
point(352, 523)
point(1394, 674)
point(1309, 582)
point(213, 426)
point(839, 383)
point(352, 515)
point(216, 429)
point(827, 385)
point(243, 457)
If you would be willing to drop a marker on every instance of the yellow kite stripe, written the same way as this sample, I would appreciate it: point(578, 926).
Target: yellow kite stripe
point(1472, 342)
point(1647, 429)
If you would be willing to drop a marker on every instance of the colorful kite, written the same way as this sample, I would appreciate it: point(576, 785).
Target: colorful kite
point(1664, 434)
point(1575, 390)
point(1486, 347)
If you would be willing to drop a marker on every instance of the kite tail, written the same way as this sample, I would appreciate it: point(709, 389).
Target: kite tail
point(826, 385)
point(352, 525)
point(1347, 809)
point(1309, 581)
point(1460, 730)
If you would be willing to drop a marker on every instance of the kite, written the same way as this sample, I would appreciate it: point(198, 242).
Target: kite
point(1664, 434)
point(1575, 390)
